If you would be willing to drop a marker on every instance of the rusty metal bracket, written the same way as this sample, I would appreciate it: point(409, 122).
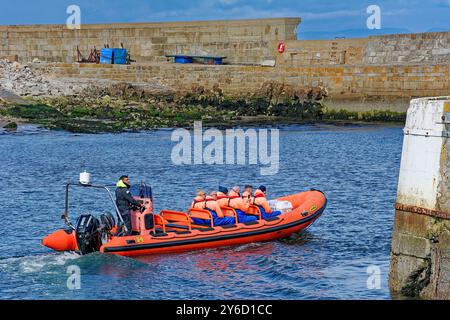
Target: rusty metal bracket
point(424, 211)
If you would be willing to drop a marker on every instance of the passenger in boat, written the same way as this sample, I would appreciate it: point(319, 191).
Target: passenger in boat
point(125, 201)
point(214, 207)
point(199, 200)
point(247, 195)
point(222, 196)
point(202, 201)
point(212, 204)
point(235, 201)
point(260, 200)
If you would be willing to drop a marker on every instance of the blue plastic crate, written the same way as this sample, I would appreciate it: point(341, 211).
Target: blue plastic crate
point(113, 56)
point(106, 56)
point(183, 59)
point(120, 56)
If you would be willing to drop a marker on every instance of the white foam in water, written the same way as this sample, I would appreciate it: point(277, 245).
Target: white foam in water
point(32, 264)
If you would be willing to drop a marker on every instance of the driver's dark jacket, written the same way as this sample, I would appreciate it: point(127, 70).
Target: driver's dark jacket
point(124, 200)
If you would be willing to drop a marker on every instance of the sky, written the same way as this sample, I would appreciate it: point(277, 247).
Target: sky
point(321, 19)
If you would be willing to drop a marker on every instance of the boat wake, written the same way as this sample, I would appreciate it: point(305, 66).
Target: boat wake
point(36, 263)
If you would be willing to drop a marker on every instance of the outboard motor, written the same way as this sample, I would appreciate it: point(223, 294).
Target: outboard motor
point(107, 221)
point(88, 234)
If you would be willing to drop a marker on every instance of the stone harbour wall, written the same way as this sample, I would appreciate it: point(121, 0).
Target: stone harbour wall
point(375, 73)
point(349, 87)
point(430, 48)
point(427, 48)
point(241, 41)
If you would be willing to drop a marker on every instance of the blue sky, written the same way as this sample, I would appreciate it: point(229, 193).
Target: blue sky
point(321, 19)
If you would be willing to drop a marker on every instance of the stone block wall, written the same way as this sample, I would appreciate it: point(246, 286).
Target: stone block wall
point(427, 48)
point(374, 87)
point(242, 41)
point(322, 52)
point(400, 49)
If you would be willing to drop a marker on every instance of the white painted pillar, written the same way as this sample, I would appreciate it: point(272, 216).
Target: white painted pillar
point(421, 239)
point(424, 156)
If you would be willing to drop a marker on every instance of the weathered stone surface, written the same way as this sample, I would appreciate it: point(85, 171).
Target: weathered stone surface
point(439, 287)
point(405, 270)
point(412, 224)
point(429, 48)
point(241, 41)
point(388, 88)
point(407, 244)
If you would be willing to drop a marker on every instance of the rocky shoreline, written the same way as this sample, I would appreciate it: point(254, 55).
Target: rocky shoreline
point(114, 107)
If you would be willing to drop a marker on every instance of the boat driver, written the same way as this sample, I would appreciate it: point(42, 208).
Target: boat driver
point(125, 202)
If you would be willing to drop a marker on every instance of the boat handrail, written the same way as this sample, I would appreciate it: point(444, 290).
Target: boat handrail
point(159, 220)
point(201, 214)
point(66, 211)
point(230, 212)
point(254, 211)
point(176, 216)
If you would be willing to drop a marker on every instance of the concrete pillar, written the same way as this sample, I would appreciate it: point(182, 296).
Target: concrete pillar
point(420, 253)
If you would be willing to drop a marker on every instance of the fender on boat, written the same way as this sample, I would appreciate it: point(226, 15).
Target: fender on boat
point(61, 240)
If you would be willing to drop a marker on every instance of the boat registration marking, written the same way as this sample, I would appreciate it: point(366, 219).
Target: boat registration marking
point(447, 106)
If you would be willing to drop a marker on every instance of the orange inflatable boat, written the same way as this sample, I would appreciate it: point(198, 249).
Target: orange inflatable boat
point(175, 231)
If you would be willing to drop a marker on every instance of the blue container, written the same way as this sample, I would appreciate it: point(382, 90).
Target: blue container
point(113, 56)
point(183, 59)
point(120, 56)
point(218, 61)
point(106, 55)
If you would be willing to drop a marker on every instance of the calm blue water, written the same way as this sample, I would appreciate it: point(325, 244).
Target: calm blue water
point(356, 166)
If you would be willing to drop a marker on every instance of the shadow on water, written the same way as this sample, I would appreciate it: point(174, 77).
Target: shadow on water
point(299, 238)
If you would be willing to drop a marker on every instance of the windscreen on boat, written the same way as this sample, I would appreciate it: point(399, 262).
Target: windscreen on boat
point(141, 190)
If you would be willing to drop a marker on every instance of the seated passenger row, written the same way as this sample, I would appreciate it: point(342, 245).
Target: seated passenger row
point(216, 200)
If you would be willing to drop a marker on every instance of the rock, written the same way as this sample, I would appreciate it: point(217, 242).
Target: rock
point(23, 81)
point(11, 126)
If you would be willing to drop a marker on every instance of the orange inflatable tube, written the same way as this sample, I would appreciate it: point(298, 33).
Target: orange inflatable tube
point(174, 231)
point(307, 207)
point(61, 240)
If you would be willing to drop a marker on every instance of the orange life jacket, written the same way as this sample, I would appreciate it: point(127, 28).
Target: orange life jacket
point(259, 199)
point(222, 199)
point(213, 205)
point(235, 201)
point(221, 195)
point(233, 197)
point(198, 200)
